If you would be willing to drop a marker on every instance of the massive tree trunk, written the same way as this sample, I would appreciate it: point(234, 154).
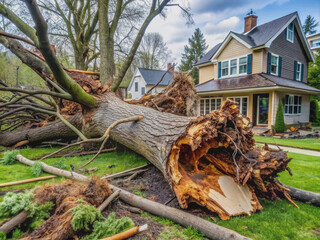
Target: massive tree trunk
point(210, 160)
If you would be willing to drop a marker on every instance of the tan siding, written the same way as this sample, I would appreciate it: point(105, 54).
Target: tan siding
point(206, 73)
point(233, 49)
point(257, 61)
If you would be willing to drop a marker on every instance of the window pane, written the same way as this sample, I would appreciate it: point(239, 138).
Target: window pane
point(225, 72)
point(218, 103)
point(273, 69)
point(287, 99)
point(207, 106)
point(274, 60)
point(290, 109)
point(290, 26)
point(244, 106)
point(299, 109)
point(286, 109)
point(243, 69)
point(213, 104)
point(238, 100)
point(225, 64)
point(295, 109)
point(233, 70)
point(296, 100)
point(300, 100)
point(243, 60)
point(136, 87)
point(233, 62)
point(201, 107)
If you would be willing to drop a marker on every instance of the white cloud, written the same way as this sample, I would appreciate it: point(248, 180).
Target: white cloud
point(226, 24)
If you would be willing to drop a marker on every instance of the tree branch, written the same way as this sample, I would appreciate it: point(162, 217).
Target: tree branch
point(9, 35)
point(77, 93)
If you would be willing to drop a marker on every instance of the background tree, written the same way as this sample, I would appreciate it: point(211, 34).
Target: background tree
point(309, 25)
point(314, 71)
point(152, 53)
point(193, 53)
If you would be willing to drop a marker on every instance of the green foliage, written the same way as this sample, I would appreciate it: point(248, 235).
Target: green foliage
point(60, 164)
point(17, 234)
point(309, 25)
point(315, 112)
point(3, 236)
point(14, 203)
point(279, 125)
point(109, 227)
point(192, 233)
point(9, 157)
point(83, 216)
point(139, 193)
point(193, 53)
point(314, 72)
point(38, 213)
point(36, 169)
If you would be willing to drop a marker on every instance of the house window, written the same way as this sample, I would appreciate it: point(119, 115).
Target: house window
point(298, 73)
point(274, 64)
point(208, 105)
point(315, 43)
point(242, 65)
point(290, 32)
point(143, 90)
point(243, 104)
point(136, 86)
point(292, 104)
point(233, 66)
point(225, 68)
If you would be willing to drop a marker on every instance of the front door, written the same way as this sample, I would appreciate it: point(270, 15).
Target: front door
point(261, 109)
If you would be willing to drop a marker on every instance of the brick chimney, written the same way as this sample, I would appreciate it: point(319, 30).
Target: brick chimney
point(170, 68)
point(250, 22)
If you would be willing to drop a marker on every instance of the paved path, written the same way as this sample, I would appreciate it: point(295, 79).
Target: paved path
point(296, 150)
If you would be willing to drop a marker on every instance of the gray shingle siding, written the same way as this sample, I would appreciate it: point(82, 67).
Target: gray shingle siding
point(290, 52)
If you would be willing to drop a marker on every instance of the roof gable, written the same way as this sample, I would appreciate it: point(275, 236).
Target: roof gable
point(261, 36)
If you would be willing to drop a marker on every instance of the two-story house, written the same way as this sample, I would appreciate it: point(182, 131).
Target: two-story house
point(143, 79)
point(266, 64)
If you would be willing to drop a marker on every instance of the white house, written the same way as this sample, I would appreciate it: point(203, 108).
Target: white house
point(143, 79)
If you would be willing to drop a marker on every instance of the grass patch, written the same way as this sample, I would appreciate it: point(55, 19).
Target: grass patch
point(307, 143)
point(17, 171)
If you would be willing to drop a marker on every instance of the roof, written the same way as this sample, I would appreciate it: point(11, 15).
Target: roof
point(261, 35)
point(152, 77)
point(252, 81)
point(206, 58)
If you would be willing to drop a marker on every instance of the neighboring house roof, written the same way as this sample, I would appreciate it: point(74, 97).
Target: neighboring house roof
point(252, 81)
point(259, 36)
point(152, 77)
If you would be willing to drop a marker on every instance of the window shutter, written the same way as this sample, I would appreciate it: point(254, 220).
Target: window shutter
point(269, 63)
point(280, 66)
point(249, 64)
point(302, 68)
point(219, 69)
point(295, 70)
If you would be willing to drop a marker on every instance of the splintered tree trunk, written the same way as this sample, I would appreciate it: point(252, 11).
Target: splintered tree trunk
point(202, 158)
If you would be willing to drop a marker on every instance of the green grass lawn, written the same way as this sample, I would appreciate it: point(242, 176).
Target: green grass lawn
point(278, 219)
point(308, 143)
point(18, 171)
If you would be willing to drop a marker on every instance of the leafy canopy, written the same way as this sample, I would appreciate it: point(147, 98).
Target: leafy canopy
point(193, 52)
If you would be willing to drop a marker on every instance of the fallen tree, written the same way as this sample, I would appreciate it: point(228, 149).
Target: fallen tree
point(211, 160)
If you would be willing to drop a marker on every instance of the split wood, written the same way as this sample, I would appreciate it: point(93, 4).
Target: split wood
point(102, 139)
point(26, 181)
point(207, 228)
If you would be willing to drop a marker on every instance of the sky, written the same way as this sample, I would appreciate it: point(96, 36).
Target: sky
point(216, 18)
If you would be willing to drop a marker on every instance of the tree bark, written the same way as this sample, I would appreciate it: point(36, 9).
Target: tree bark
point(13, 222)
point(51, 131)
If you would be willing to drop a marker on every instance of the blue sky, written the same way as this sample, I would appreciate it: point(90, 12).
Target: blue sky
point(216, 18)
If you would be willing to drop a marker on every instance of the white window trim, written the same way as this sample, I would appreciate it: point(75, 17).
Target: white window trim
point(284, 105)
point(277, 69)
point(208, 98)
point(300, 75)
point(240, 104)
point(292, 33)
point(313, 42)
point(238, 67)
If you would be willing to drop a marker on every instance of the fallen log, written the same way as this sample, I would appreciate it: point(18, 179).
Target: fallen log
point(124, 173)
point(209, 229)
point(303, 195)
point(8, 226)
point(26, 181)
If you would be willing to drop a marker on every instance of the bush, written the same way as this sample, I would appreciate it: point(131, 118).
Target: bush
point(279, 125)
point(14, 203)
point(315, 112)
point(36, 169)
point(9, 157)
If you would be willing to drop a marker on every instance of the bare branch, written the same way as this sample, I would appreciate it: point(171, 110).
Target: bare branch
point(2, 33)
